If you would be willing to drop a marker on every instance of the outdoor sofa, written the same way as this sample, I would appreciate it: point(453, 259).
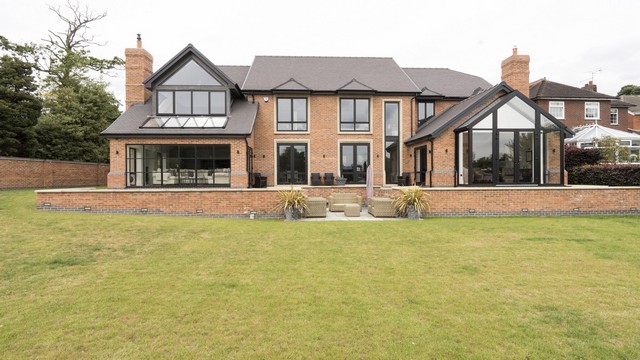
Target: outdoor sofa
point(337, 201)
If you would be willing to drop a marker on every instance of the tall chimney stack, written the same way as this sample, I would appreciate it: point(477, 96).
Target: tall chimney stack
point(138, 67)
point(515, 71)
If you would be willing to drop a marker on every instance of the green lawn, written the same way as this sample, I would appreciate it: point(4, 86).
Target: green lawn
point(76, 285)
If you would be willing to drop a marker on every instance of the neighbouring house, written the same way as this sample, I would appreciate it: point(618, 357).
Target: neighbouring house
point(286, 119)
point(633, 111)
point(577, 107)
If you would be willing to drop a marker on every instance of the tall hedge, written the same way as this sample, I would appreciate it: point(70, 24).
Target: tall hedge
point(612, 175)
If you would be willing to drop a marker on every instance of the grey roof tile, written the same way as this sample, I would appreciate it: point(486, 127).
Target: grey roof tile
point(635, 100)
point(545, 89)
point(446, 82)
point(241, 121)
point(237, 73)
point(328, 73)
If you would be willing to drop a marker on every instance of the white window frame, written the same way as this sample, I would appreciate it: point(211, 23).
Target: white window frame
point(557, 104)
point(611, 118)
point(592, 105)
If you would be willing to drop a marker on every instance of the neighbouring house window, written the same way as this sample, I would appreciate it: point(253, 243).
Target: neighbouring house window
point(391, 141)
point(592, 110)
point(354, 115)
point(556, 108)
point(292, 114)
point(426, 109)
point(292, 164)
point(614, 117)
point(179, 165)
point(354, 159)
point(192, 102)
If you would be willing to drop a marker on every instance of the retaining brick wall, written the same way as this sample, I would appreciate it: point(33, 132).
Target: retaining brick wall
point(577, 200)
point(19, 173)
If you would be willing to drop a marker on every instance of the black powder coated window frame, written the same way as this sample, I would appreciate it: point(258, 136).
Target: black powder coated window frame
point(290, 121)
point(173, 101)
point(163, 156)
point(427, 117)
point(354, 122)
point(354, 172)
point(392, 138)
point(291, 167)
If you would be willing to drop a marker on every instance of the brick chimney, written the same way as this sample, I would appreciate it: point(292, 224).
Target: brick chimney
point(138, 67)
point(591, 86)
point(515, 72)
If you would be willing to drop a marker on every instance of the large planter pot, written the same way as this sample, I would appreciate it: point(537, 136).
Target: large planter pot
point(341, 182)
point(412, 213)
point(291, 214)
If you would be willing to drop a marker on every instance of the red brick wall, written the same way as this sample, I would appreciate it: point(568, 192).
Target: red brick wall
point(444, 201)
point(574, 114)
point(324, 137)
point(36, 173)
point(138, 67)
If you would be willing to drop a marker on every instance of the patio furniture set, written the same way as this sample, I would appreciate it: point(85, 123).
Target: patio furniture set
point(350, 204)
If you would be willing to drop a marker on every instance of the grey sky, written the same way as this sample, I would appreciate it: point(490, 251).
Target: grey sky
point(567, 40)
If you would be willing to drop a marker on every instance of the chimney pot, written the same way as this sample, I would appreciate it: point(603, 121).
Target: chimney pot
point(515, 50)
point(139, 42)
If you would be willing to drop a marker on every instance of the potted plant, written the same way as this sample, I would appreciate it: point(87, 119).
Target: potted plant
point(340, 181)
point(412, 202)
point(292, 203)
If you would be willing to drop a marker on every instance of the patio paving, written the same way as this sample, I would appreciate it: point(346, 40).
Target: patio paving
point(339, 216)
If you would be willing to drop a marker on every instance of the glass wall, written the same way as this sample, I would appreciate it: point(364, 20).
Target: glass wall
point(178, 165)
point(511, 145)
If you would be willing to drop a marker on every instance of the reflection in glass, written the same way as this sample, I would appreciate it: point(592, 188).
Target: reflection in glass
point(482, 158)
point(191, 74)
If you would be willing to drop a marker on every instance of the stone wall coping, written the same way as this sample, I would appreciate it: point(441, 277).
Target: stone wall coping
point(283, 188)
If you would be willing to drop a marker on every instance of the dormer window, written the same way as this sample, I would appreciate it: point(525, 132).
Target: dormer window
point(182, 102)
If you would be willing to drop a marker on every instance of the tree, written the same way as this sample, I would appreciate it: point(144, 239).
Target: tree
point(629, 90)
point(78, 107)
point(611, 150)
point(70, 129)
point(65, 56)
point(19, 105)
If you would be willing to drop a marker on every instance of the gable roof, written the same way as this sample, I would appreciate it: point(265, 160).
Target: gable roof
point(328, 74)
point(291, 84)
point(445, 82)
point(189, 52)
point(545, 89)
point(441, 122)
point(635, 100)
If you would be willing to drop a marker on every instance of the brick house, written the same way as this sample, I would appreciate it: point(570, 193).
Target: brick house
point(192, 123)
point(580, 106)
point(633, 111)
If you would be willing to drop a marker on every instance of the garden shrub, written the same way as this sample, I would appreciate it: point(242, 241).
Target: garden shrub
point(575, 157)
point(613, 175)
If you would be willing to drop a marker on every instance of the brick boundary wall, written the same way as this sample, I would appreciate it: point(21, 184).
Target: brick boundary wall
point(445, 202)
point(24, 173)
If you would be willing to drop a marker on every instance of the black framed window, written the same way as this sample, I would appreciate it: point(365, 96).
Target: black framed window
point(178, 165)
point(426, 109)
point(188, 102)
point(392, 139)
point(292, 114)
point(354, 159)
point(354, 115)
point(292, 164)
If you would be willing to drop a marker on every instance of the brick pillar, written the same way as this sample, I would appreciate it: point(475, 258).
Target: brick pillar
point(515, 72)
point(138, 67)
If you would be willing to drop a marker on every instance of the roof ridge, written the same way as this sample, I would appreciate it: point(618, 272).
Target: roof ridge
point(324, 57)
point(427, 68)
point(235, 65)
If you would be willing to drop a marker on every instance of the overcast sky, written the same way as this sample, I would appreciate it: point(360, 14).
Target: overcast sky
point(568, 41)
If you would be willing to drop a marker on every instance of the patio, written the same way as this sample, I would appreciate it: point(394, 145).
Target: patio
point(339, 216)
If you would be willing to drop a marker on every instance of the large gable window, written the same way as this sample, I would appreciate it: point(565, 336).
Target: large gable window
point(511, 143)
point(592, 110)
point(354, 115)
point(292, 114)
point(192, 102)
point(192, 74)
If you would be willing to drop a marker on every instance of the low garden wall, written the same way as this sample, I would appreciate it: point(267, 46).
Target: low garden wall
point(21, 173)
point(539, 201)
